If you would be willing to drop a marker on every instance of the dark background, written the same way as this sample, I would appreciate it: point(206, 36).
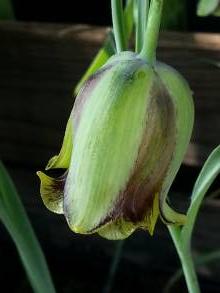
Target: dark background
point(96, 12)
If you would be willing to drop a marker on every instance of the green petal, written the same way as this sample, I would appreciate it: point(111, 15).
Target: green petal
point(51, 191)
point(106, 142)
point(117, 230)
point(63, 159)
point(181, 96)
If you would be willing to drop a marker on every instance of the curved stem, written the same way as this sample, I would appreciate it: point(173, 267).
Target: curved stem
point(143, 8)
point(152, 31)
point(185, 256)
point(118, 25)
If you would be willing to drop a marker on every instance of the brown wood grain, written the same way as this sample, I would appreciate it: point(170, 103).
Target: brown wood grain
point(41, 64)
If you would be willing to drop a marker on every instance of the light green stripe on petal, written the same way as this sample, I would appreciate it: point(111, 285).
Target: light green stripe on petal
point(106, 143)
point(63, 159)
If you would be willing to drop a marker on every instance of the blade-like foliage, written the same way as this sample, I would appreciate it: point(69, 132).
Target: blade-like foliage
point(15, 219)
point(206, 177)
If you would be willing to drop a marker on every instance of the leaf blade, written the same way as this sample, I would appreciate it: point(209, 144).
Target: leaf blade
point(15, 219)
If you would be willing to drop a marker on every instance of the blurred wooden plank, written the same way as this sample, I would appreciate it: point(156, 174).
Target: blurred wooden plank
point(41, 63)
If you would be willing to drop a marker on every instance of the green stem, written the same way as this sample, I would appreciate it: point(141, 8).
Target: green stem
point(143, 8)
point(118, 25)
point(185, 256)
point(152, 31)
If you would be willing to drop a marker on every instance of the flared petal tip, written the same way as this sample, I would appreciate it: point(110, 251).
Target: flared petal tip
point(151, 229)
point(52, 163)
point(51, 191)
point(79, 230)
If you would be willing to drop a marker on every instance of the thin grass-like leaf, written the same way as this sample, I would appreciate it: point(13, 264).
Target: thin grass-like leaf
point(15, 219)
point(208, 174)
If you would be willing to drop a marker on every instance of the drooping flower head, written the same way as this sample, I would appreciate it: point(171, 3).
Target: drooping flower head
point(124, 142)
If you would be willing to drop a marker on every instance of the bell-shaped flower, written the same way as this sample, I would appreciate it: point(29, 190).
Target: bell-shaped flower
point(124, 142)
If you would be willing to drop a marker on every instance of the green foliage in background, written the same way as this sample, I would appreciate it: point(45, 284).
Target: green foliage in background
point(6, 10)
point(207, 7)
point(15, 219)
point(174, 15)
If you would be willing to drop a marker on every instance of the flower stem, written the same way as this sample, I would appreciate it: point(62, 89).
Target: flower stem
point(152, 31)
point(118, 25)
point(143, 9)
point(185, 256)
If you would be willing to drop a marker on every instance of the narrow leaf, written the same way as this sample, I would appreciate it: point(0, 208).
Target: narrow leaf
point(15, 219)
point(209, 172)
